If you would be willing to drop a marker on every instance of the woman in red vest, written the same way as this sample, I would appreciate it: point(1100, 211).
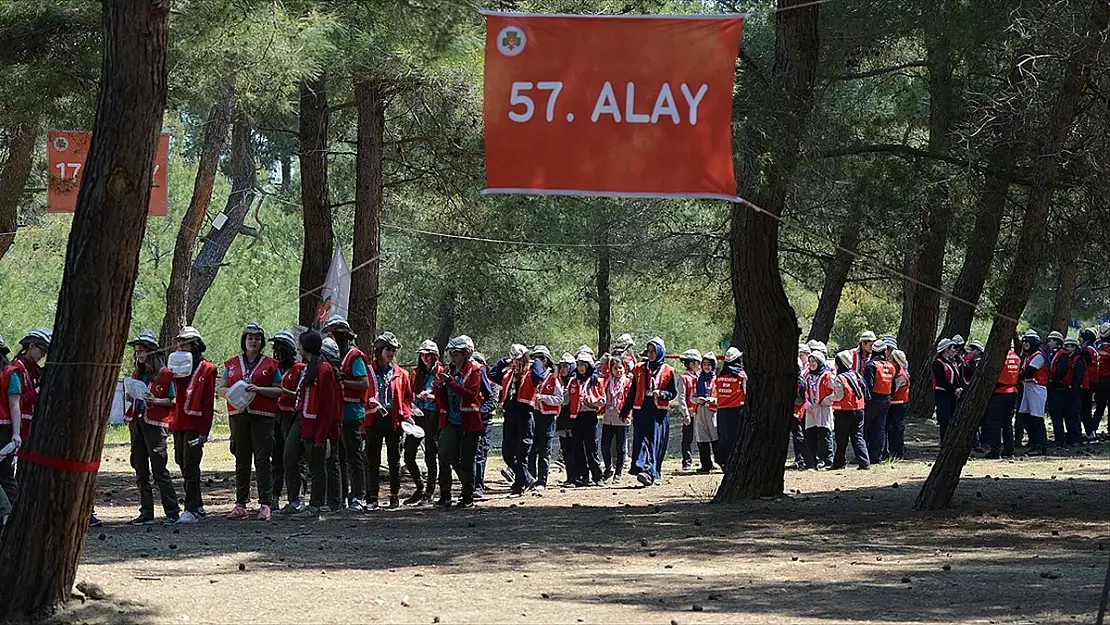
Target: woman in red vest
point(654, 387)
point(423, 385)
point(691, 360)
point(320, 404)
point(462, 392)
point(5, 504)
point(519, 378)
point(849, 395)
point(998, 424)
point(731, 386)
point(585, 395)
point(548, 405)
point(1034, 393)
point(149, 420)
point(704, 422)
point(896, 418)
point(564, 425)
point(389, 404)
point(1090, 383)
point(252, 425)
point(285, 353)
point(194, 400)
point(946, 384)
point(20, 381)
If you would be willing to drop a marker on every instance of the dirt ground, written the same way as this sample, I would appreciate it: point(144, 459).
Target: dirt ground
point(1027, 542)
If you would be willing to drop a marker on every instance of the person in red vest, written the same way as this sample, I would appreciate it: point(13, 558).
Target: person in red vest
point(862, 353)
point(819, 418)
point(7, 450)
point(798, 424)
point(462, 392)
point(731, 386)
point(548, 404)
point(252, 425)
point(614, 429)
point(194, 401)
point(585, 396)
point(648, 401)
point(1034, 393)
point(688, 382)
point(481, 456)
point(998, 424)
point(148, 420)
point(519, 377)
point(285, 353)
point(896, 419)
point(319, 402)
point(849, 395)
point(879, 375)
point(1073, 382)
point(388, 406)
point(564, 426)
point(1057, 392)
point(704, 400)
point(20, 380)
point(353, 375)
point(423, 385)
point(1102, 390)
point(1090, 382)
point(946, 384)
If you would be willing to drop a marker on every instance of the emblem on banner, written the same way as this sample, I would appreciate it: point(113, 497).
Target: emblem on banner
point(61, 144)
point(511, 41)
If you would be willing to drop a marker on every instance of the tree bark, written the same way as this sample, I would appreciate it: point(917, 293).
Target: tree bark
point(938, 489)
point(445, 329)
point(319, 238)
point(836, 276)
point(979, 253)
point(370, 103)
point(765, 318)
point(212, 145)
point(1065, 291)
point(244, 193)
point(38, 560)
point(13, 178)
point(921, 305)
point(604, 297)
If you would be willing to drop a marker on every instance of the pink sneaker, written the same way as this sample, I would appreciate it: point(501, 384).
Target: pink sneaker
point(264, 513)
point(238, 513)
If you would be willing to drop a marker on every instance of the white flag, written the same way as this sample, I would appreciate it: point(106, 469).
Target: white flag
point(337, 289)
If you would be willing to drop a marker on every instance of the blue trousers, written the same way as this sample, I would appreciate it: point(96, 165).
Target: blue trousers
point(520, 432)
point(730, 423)
point(896, 432)
point(874, 428)
point(650, 429)
point(1057, 409)
point(539, 462)
point(998, 425)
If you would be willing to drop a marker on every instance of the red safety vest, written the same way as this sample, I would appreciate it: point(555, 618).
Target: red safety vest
point(29, 375)
point(526, 394)
point(263, 375)
point(160, 416)
point(884, 377)
point(851, 401)
point(690, 387)
point(1103, 348)
point(591, 391)
point(321, 404)
point(352, 396)
point(950, 374)
point(547, 387)
point(1011, 373)
point(1091, 378)
point(289, 380)
point(730, 390)
point(194, 397)
point(645, 383)
point(1041, 377)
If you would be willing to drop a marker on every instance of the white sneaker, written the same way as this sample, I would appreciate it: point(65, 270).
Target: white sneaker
point(187, 518)
point(540, 488)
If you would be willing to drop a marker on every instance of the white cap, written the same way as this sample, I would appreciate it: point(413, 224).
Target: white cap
point(1056, 336)
point(943, 345)
point(624, 341)
point(428, 347)
point(868, 335)
point(567, 359)
point(975, 344)
point(733, 354)
point(329, 349)
point(844, 358)
point(461, 343)
point(691, 354)
point(516, 351)
point(879, 346)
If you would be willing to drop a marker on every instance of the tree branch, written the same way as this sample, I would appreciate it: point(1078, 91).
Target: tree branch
point(880, 71)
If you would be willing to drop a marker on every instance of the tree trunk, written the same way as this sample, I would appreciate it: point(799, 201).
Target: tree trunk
point(13, 178)
point(766, 320)
point(370, 103)
point(445, 329)
point(604, 297)
point(980, 251)
point(319, 238)
point(1065, 291)
point(921, 305)
point(836, 276)
point(211, 146)
point(244, 192)
point(938, 489)
point(46, 533)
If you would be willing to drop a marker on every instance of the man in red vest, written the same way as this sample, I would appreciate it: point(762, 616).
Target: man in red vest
point(1090, 383)
point(654, 386)
point(878, 374)
point(998, 424)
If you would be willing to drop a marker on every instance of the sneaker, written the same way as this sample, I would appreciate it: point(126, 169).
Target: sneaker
point(516, 494)
point(644, 478)
point(608, 474)
point(371, 505)
point(201, 512)
point(414, 499)
point(704, 471)
point(356, 505)
point(394, 502)
point(240, 512)
point(686, 466)
point(264, 513)
point(508, 474)
point(310, 512)
point(171, 520)
point(465, 503)
point(188, 518)
point(94, 521)
point(293, 507)
point(617, 479)
point(540, 488)
point(142, 520)
point(863, 467)
point(443, 502)
point(479, 493)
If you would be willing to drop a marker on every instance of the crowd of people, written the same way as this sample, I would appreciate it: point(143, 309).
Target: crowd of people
point(310, 420)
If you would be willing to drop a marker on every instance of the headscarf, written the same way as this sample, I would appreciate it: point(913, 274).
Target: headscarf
point(705, 379)
point(584, 377)
point(660, 354)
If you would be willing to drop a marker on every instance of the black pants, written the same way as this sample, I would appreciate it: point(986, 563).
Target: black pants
point(874, 428)
point(520, 432)
point(351, 435)
point(1087, 411)
point(277, 455)
point(896, 431)
point(1073, 415)
point(614, 437)
point(820, 445)
point(380, 433)
point(797, 436)
point(324, 469)
point(149, 458)
point(7, 470)
point(1102, 402)
point(430, 425)
point(254, 440)
point(1056, 407)
point(688, 444)
point(481, 455)
point(587, 459)
point(946, 408)
point(456, 453)
point(539, 461)
point(1038, 433)
point(706, 453)
point(848, 425)
point(730, 425)
point(998, 424)
point(295, 461)
point(188, 460)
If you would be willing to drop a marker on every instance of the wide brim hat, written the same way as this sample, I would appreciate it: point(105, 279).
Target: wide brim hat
point(567, 359)
point(976, 344)
point(387, 339)
point(338, 323)
point(461, 343)
point(189, 333)
point(944, 344)
point(867, 336)
point(733, 354)
point(428, 347)
point(284, 337)
point(37, 336)
point(147, 339)
point(541, 350)
point(691, 355)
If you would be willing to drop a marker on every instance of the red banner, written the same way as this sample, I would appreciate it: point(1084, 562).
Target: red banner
point(65, 156)
point(630, 106)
